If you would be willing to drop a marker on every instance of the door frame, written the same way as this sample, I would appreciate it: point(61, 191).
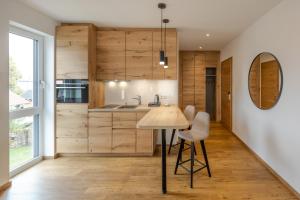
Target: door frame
point(231, 82)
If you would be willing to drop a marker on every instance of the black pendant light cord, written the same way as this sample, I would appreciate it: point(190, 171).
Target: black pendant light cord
point(161, 29)
point(165, 39)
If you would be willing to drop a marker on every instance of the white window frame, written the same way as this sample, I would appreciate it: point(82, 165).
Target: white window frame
point(39, 87)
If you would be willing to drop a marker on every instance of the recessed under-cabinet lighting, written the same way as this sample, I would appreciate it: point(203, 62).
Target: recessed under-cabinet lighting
point(207, 35)
point(200, 47)
point(123, 84)
point(111, 83)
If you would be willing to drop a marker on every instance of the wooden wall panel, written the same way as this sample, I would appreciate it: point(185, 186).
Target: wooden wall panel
point(192, 79)
point(200, 84)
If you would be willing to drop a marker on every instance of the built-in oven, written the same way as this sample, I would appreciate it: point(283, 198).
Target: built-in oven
point(72, 91)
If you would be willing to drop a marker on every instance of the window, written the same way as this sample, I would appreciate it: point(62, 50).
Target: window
point(25, 97)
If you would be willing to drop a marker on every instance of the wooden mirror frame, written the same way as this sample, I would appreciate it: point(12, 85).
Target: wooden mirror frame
point(281, 80)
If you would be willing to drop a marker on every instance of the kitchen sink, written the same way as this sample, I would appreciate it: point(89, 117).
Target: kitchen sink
point(128, 107)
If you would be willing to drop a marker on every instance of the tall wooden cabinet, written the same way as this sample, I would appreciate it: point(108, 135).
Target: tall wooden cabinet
point(72, 43)
point(192, 89)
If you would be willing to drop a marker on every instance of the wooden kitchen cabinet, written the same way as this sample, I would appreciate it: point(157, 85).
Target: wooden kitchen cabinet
point(124, 140)
point(71, 145)
point(124, 119)
point(100, 132)
point(71, 120)
point(144, 138)
point(75, 50)
point(111, 55)
point(72, 43)
point(138, 55)
point(133, 54)
point(159, 73)
point(71, 128)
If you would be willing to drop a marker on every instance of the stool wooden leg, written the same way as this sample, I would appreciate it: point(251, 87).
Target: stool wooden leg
point(192, 163)
point(171, 142)
point(205, 157)
point(179, 155)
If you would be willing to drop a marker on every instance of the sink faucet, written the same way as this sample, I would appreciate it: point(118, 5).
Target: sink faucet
point(139, 99)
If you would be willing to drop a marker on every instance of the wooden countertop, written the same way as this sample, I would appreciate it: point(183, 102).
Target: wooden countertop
point(164, 118)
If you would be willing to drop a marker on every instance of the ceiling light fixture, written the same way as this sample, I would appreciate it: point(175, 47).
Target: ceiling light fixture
point(166, 65)
point(161, 6)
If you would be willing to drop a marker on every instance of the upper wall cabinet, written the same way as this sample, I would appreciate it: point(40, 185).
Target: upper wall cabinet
point(72, 43)
point(158, 71)
point(131, 54)
point(138, 55)
point(111, 55)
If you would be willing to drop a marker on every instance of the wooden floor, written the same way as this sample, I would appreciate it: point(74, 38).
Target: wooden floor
point(236, 175)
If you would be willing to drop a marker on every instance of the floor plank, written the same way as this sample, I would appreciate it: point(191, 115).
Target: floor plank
point(236, 174)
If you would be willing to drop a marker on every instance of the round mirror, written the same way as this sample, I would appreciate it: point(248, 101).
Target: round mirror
point(265, 81)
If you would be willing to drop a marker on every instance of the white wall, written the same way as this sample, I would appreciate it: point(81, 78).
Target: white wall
point(14, 11)
point(273, 134)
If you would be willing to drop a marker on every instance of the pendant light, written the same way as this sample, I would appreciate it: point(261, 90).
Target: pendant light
point(166, 64)
point(161, 6)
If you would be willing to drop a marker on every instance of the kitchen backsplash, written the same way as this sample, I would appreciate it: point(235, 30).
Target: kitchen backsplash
point(121, 92)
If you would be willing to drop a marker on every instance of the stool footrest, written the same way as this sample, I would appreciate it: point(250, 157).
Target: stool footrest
point(194, 171)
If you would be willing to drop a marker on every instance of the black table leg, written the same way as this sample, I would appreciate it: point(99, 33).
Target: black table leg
point(163, 161)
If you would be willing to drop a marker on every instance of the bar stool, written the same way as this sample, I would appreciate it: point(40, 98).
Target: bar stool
point(198, 132)
point(189, 113)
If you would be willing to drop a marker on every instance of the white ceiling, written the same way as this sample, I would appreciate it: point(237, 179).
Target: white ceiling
point(223, 19)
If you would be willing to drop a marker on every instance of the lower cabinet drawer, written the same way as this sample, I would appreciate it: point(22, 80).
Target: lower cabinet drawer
point(144, 141)
point(100, 144)
point(123, 140)
point(71, 145)
point(124, 124)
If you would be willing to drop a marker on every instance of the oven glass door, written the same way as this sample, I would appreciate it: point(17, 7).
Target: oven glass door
point(72, 91)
